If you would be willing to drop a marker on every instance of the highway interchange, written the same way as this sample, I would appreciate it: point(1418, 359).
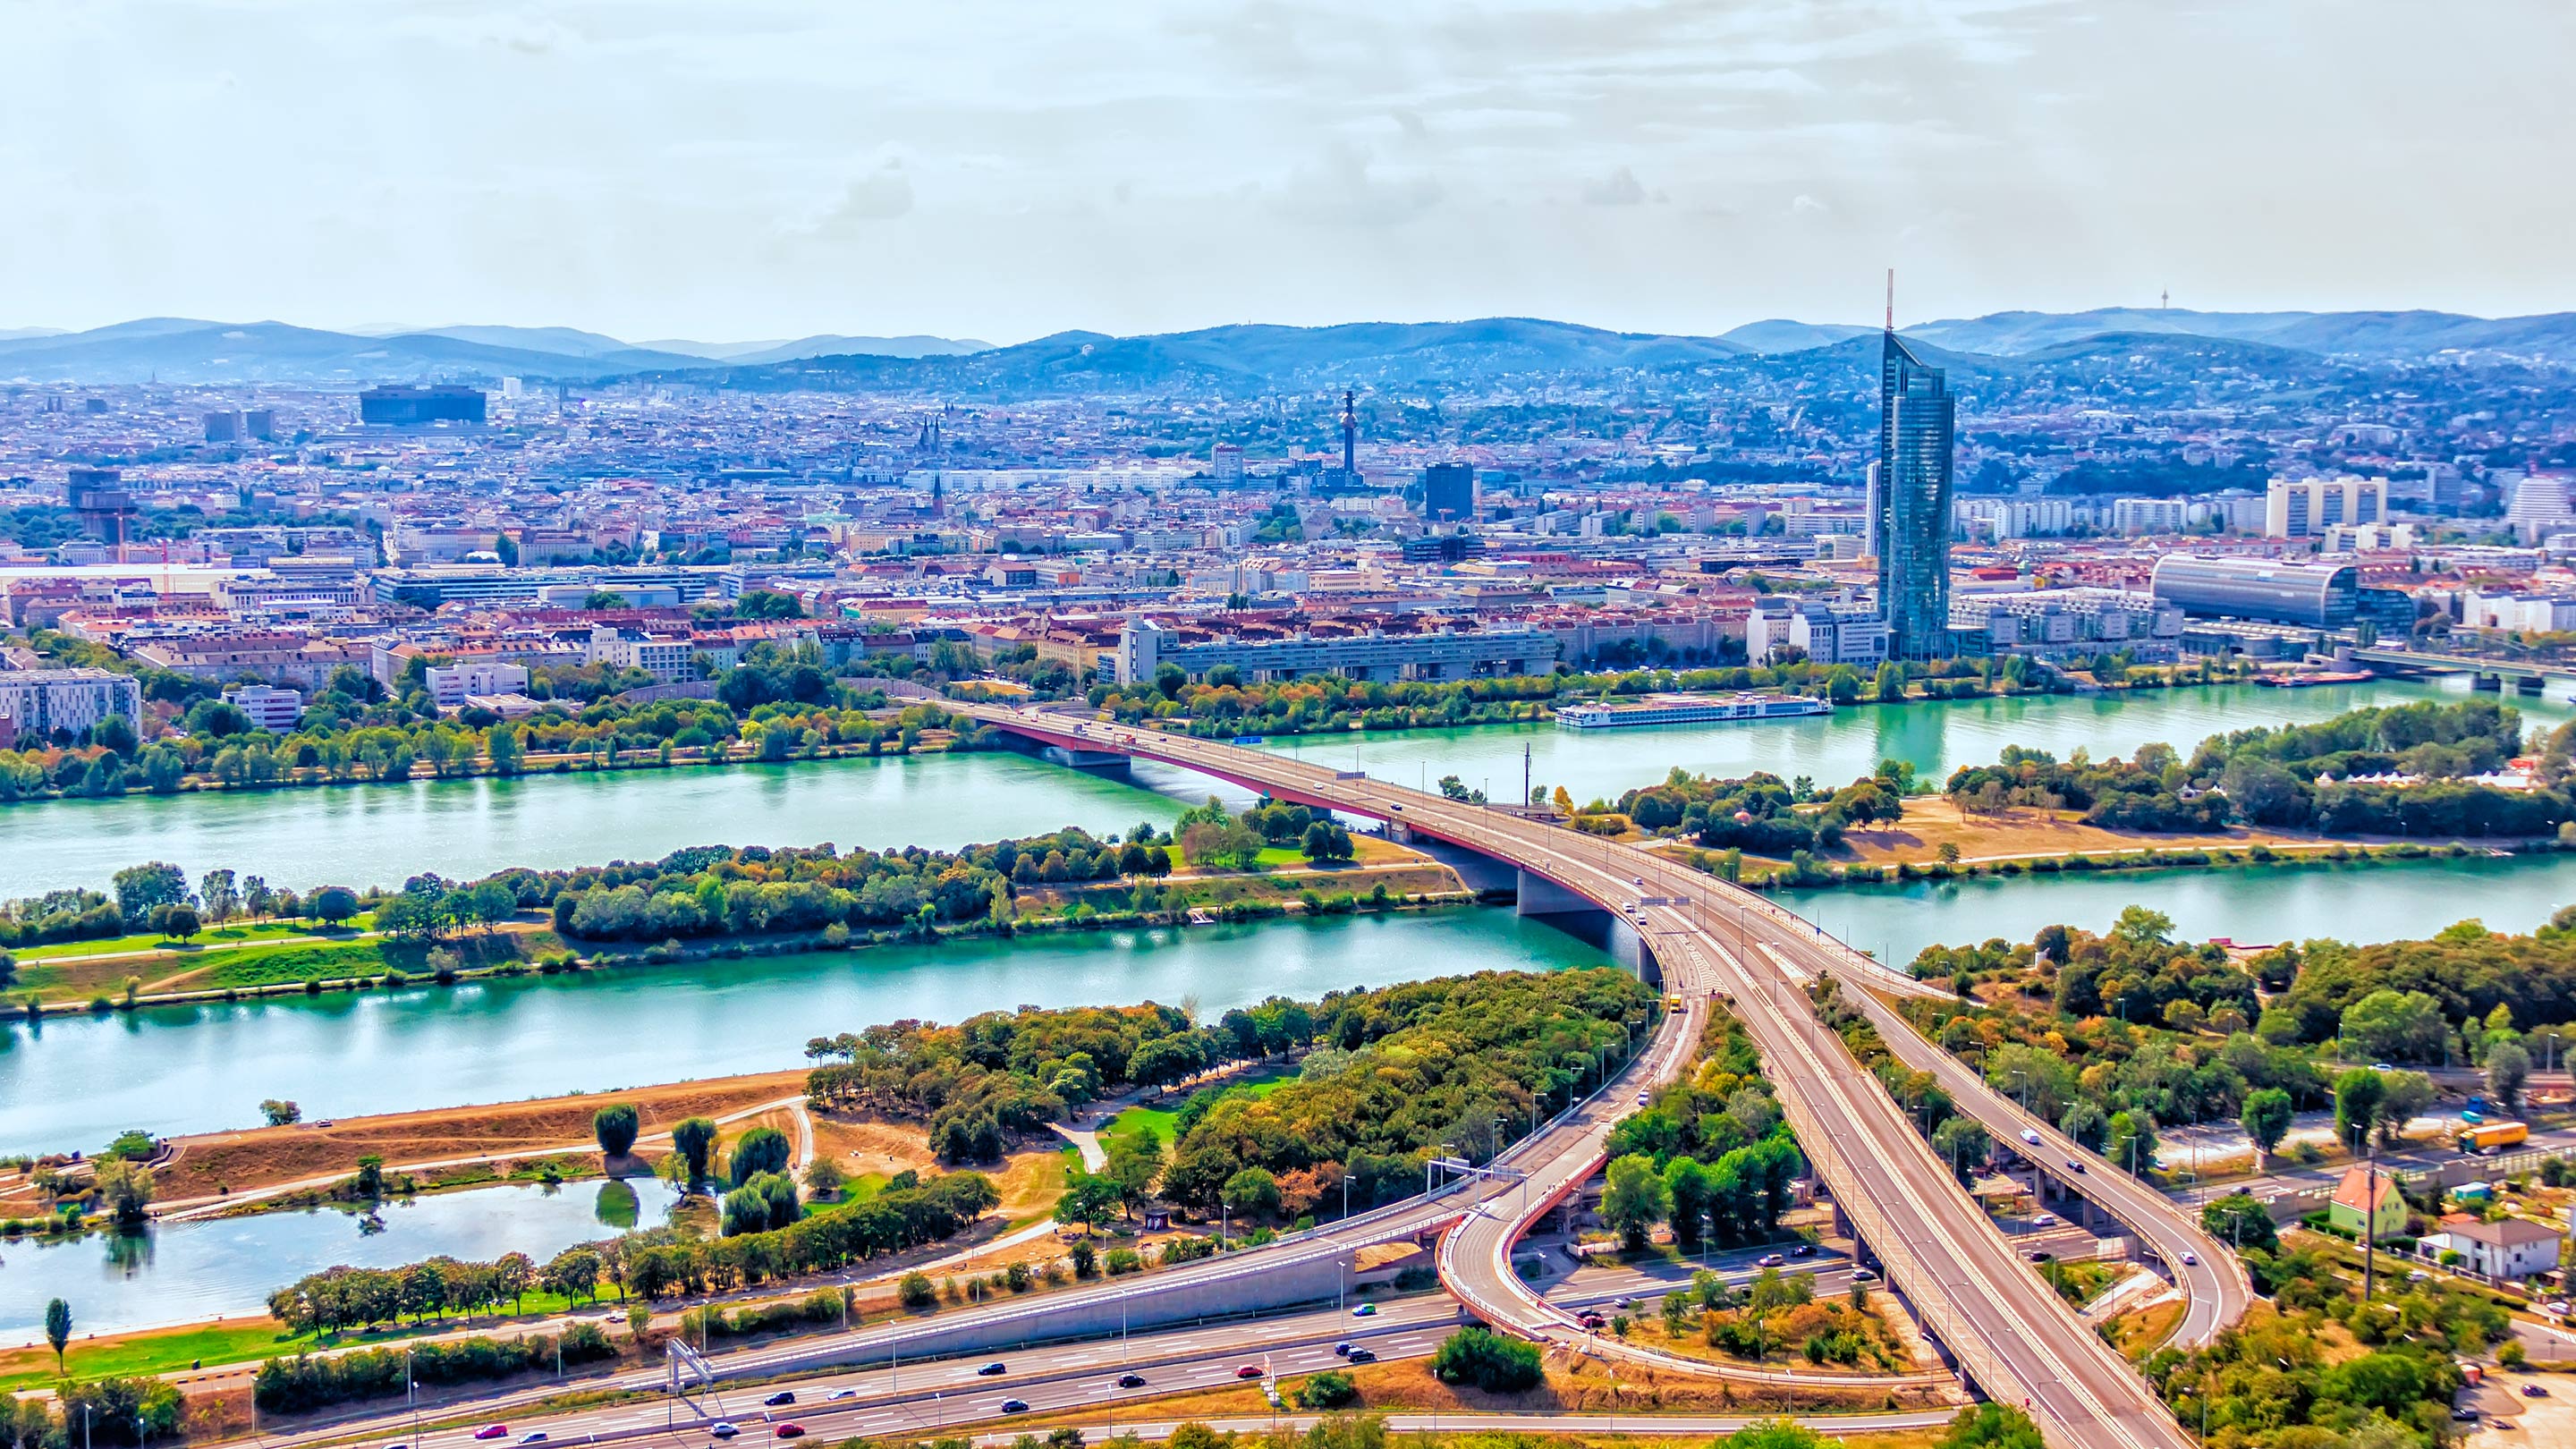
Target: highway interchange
point(2006, 1330)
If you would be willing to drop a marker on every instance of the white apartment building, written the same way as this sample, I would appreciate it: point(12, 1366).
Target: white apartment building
point(2369, 537)
point(2149, 515)
point(669, 658)
point(274, 710)
point(2539, 507)
point(2525, 613)
point(2020, 517)
point(67, 701)
point(1825, 633)
point(450, 685)
point(2307, 507)
point(2055, 623)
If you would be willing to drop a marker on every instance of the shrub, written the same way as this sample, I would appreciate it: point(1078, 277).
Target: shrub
point(1328, 1390)
point(915, 1291)
point(1488, 1360)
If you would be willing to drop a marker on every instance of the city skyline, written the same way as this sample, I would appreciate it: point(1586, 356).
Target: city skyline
point(1016, 172)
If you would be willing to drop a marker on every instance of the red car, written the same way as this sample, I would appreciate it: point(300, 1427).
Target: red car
point(493, 1431)
point(1248, 1371)
point(791, 1431)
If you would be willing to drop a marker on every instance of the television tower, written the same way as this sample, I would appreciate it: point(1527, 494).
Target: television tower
point(1350, 437)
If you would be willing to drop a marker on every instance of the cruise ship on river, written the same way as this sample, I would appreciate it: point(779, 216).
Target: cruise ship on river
point(1689, 709)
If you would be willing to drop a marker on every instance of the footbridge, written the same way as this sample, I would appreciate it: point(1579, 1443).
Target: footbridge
point(2008, 1331)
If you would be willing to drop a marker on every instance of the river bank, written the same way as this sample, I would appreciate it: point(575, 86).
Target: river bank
point(378, 834)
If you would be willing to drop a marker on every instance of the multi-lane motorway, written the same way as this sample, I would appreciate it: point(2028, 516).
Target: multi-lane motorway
point(2010, 1333)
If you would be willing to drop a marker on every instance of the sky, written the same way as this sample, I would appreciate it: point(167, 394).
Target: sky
point(1001, 169)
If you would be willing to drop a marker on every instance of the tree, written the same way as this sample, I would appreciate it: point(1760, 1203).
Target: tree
point(1635, 1200)
point(2357, 1096)
point(2240, 1220)
point(332, 905)
point(125, 1187)
point(115, 733)
point(2403, 1096)
point(58, 1329)
point(501, 742)
point(1091, 1200)
point(281, 1113)
point(485, 903)
point(599, 599)
point(1963, 1144)
point(222, 899)
point(762, 1149)
point(175, 921)
point(2508, 1067)
point(1134, 1162)
point(1990, 1426)
point(615, 1125)
point(915, 1290)
point(1488, 1360)
point(154, 883)
point(1253, 1192)
point(695, 1139)
point(2395, 1026)
point(2131, 1142)
point(2266, 1119)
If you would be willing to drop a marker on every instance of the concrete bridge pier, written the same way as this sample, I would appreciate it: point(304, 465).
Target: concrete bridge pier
point(2486, 683)
point(1578, 917)
point(1094, 762)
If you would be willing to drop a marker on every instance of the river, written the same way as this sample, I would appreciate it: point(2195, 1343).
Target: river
point(380, 834)
point(189, 1272)
point(78, 1081)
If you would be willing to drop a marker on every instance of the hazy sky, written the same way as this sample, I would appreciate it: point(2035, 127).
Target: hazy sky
point(725, 169)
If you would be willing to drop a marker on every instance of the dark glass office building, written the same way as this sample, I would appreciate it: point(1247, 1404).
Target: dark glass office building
point(1917, 421)
point(1449, 492)
point(412, 407)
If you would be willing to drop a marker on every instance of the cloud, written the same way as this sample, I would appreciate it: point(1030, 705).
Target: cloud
point(1619, 188)
point(880, 195)
point(1342, 187)
point(1805, 205)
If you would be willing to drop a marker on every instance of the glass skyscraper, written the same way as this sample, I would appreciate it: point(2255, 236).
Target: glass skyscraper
point(1910, 507)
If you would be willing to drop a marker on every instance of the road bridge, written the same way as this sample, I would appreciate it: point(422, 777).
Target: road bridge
point(2009, 1332)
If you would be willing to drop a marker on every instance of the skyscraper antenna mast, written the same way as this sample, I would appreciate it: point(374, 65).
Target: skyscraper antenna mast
point(1891, 299)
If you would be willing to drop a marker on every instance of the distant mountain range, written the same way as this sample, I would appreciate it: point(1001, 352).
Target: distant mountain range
point(182, 350)
point(186, 350)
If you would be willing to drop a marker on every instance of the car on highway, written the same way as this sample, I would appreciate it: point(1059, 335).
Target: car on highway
point(1015, 1406)
point(493, 1431)
point(791, 1430)
point(2074, 1166)
point(991, 1369)
point(2040, 1255)
point(2191, 1260)
point(2043, 1220)
point(1365, 1310)
point(1131, 1381)
point(2382, 1067)
point(1769, 1260)
point(2534, 1391)
point(533, 1436)
point(1641, 1099)
point(1248, 1371)
point(836, 1395)
point(1342, 1349)
point(2030, 1135)
point(1803, 1250)
point(720, 1429)
point(783, 1396)
point(1362, 1355)
point(1864, 1275)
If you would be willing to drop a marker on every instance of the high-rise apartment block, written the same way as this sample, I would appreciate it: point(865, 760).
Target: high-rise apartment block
point(1911, 504)
point(2307, 507)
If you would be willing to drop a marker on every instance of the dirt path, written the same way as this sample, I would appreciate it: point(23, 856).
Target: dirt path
point(188, 1209)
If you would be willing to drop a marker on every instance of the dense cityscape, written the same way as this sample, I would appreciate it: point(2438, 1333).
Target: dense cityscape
point(1525, 727)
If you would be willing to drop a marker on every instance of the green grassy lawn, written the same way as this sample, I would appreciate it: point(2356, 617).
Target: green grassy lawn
point(207, 940)
point(1162, 1122)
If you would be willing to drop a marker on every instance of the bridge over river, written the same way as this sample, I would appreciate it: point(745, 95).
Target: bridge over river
point(2008, 1331)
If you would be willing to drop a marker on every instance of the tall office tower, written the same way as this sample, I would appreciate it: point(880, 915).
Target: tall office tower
point(1448, 493)
point(1917, 418)
point(1350, 438)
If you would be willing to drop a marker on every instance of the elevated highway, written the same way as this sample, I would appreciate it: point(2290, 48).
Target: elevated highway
point(2009, 1332)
